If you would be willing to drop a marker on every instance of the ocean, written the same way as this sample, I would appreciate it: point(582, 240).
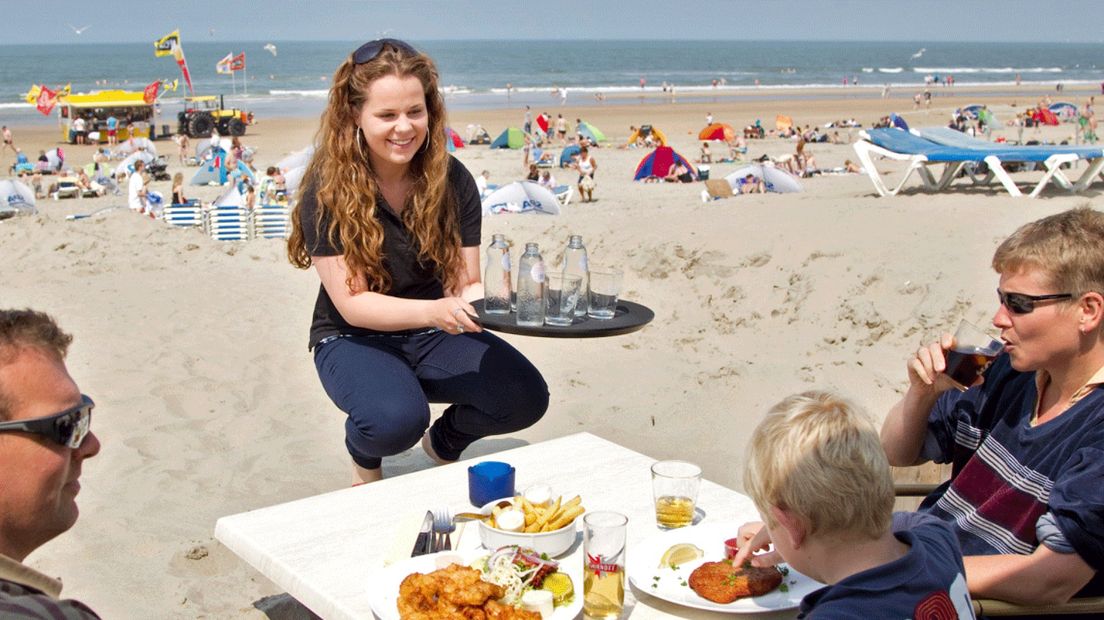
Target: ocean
point(474, 74)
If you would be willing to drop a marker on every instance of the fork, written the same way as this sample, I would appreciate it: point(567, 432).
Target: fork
point(442, 529)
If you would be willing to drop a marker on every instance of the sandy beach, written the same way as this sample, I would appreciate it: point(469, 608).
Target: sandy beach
point(207, 399)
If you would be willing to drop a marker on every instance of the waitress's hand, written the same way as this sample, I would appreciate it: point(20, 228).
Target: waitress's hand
point(451, 315)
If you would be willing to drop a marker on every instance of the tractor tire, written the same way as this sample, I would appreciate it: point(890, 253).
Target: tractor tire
point(236, 127)
point(201, 125)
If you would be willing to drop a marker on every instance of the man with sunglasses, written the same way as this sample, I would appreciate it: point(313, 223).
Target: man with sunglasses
point(44, 440)
point(1026, 441)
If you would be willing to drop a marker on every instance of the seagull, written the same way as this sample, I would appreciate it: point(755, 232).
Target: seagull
point(79, 30)
point(271, 48)
point(920, 53)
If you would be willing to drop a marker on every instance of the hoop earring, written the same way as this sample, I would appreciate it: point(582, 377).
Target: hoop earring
point(425, 145)
point(356, 138)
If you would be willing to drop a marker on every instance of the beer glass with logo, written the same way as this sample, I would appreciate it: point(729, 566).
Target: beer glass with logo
point(604, 564)
point(972, 353)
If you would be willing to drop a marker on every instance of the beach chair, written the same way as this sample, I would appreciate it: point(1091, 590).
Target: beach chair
point(919, 154)
point(227, 223)
point(271, 221)
point(67, 187)
point(186, 215)
point(564, 194)
point(1089, 605)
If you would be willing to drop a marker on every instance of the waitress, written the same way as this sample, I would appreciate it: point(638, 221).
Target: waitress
point(391, 224)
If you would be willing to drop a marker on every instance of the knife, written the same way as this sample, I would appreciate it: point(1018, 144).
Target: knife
point(423, 543)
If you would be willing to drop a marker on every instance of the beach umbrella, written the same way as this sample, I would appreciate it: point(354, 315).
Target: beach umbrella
point(1064, 108)
point(16, 199)
point(230, 198)
point(542, 122)
point(971, 111)
point(781, 122)
point(898, 122)
point(521, 197)
point(775, 179)
point(54, 158)
point(718, 131)
point(135, 144)
point(293, 178)
point(203, 147)
point(587, 130)
point(128, 163)
point(297, 159)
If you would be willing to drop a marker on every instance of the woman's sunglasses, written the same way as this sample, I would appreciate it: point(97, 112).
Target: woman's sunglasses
point(1020, 303)
point(371, 49)
point(68, 428)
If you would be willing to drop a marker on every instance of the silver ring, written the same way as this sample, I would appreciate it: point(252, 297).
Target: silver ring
point(459, 328)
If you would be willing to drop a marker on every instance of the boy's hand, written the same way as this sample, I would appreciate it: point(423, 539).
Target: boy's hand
point(752, 537)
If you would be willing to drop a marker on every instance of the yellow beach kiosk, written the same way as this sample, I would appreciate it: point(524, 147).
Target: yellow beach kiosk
point(137, 119)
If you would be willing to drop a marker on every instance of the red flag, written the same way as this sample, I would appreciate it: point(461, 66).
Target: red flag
point(46, 100)
point(237, 63)
point(178, 53)
point(149, 95)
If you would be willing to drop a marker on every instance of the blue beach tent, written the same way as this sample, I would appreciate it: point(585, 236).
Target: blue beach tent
point(567, 153)
point(511, 138)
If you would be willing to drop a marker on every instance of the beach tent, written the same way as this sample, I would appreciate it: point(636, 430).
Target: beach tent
point(647, 130)
point(1044, 116)
point(55, 158)
point(782, 122)
point(658, 163)
point(775, 179)
point(898, 122)
point(203, 147)
point(214, 170)
point(971, 111)
point(1064, 109)
point(521, 197)
point(722, 132)
point(128, 163)
point(511, 138)
point(16, 199)
point(567, 153)
point(452, 140)
point(590, 132)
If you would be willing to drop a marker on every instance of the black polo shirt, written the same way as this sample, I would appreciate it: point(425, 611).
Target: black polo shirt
point(410, 279)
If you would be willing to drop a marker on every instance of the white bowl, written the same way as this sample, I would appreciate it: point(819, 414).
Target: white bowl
point(552, 543)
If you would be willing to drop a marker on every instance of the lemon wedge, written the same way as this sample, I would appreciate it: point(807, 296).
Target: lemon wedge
point(560, 586)
point(680, 554)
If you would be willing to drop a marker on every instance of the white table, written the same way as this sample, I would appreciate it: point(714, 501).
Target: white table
point(321, 549)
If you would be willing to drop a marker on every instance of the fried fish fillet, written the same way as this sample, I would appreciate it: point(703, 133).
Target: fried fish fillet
point(721, 582)
point(455, 593)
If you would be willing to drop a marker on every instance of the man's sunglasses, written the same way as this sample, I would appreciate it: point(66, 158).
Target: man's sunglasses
point(68, 428)
point(1019, 303)
point(371, 49)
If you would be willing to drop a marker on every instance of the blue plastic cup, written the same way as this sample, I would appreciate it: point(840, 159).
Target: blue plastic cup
point(490, 480)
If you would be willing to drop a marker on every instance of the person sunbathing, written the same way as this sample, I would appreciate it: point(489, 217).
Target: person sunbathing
point(751, 184)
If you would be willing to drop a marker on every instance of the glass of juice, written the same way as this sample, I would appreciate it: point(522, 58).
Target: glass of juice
point(604, 564)
point(675, 490)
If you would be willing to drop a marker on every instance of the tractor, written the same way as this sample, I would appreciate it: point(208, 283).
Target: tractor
point(205, 113)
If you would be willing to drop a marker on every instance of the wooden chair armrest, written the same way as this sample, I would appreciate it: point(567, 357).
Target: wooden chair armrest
point(914, 489)
point(1085, 605)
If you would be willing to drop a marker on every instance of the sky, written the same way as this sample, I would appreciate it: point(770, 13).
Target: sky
point(54, 21)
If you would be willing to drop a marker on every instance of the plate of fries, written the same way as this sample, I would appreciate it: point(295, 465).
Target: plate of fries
point(546, 528)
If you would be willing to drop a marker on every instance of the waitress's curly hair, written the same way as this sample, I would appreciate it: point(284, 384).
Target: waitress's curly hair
point(345, 187)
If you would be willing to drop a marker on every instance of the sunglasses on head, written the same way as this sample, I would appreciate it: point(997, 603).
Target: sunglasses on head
point(67, 428)
point(1020, 303)
point(371, 49)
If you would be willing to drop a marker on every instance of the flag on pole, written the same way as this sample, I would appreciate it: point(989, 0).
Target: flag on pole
point(164, 45)
point(170, 86)
point(46, 100)
point(149, 94)
point(32, 94)
point(223, 67)
point(237, 63)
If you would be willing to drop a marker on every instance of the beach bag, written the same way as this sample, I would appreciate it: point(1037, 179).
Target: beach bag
point(588, 183)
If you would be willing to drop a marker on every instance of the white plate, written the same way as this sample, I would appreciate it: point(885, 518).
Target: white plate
point(385, 595)
point(671, 584)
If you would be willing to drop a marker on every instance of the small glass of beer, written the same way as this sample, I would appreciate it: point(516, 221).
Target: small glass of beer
point(604, 564)
point(973, 351)
point(675, 490)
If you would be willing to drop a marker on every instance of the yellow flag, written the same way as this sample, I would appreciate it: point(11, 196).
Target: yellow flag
point(164, 46)
point(67, 90)
point(32, 95)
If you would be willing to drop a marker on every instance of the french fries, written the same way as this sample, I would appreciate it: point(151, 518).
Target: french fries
point(545, 518)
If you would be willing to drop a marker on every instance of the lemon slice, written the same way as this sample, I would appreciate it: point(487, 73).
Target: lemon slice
point(680, 554)
point(560, 586)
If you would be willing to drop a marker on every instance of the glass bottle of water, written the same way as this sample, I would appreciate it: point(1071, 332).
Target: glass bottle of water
point(496, 279)
point(575, 263)
point(530, 296)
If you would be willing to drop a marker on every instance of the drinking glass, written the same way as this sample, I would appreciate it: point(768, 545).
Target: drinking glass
point(972, 353)
point(561, 294)
point(605, 286)
point(604, 564)
point(675, 490)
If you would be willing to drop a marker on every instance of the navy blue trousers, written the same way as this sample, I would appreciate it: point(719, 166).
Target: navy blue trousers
point(385, 384)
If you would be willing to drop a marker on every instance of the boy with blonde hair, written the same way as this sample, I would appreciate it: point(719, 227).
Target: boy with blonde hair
point(819, 477)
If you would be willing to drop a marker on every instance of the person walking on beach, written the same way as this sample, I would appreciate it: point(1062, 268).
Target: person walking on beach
point(112, 130)
point(136, 189)
point(7, 137)
point(561, 129)
point(391, 224)
point(586, 166)
point(45, 437)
